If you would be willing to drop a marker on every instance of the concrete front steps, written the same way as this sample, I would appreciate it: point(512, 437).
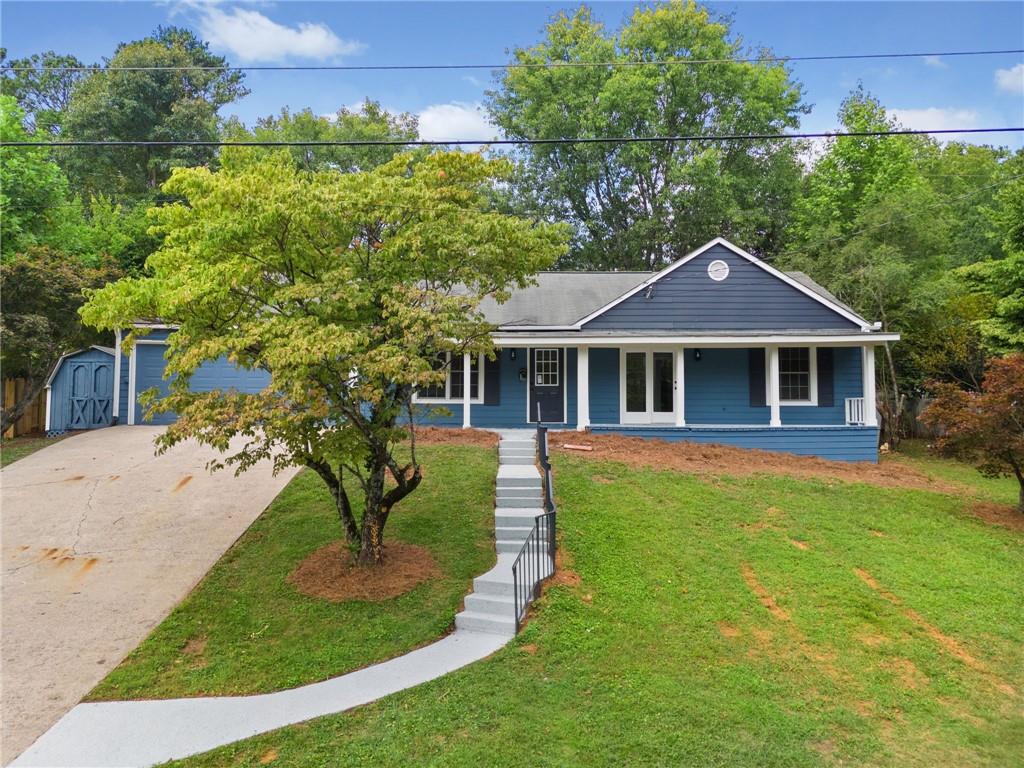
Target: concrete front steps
point(518, 500)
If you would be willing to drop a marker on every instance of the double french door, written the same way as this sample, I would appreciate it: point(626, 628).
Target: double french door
point(648, 386)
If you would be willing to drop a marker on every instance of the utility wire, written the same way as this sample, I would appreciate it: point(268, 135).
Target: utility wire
point(506, 142)
point(511, 65)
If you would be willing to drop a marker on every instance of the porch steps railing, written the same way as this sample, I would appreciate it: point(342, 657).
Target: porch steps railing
point(855, 411)
point(519, 502)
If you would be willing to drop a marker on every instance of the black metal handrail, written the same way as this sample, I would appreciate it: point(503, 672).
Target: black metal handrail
point(535, 562)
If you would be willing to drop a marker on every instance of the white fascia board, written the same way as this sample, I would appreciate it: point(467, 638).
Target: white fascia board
point(571, 340)
point(852, 317)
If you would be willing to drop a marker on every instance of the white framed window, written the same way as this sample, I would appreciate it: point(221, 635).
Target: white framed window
point(545, 368)
point(798, 376)
point(451, 389)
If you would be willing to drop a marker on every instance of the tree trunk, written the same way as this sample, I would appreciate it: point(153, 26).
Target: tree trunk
point(379, 504)
point(11, 415)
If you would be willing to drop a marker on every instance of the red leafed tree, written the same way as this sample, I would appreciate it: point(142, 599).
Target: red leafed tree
point(986, 427)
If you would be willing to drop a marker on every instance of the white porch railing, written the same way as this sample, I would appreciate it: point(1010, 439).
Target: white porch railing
point(855, 411)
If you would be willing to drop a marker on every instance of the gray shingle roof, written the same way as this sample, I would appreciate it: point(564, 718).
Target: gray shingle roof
point(562, 298)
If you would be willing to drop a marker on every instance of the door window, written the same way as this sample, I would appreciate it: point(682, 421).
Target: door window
point(545, 367)
point(636, 382)
point(663, 382)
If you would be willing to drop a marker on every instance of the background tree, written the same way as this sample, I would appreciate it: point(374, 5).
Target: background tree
point(642, 205)
point(1002, 279)
point(41, 84)
point(42, 290)
point(147, 105)
point(985, 427)
point(345, 288)
point(368, 123)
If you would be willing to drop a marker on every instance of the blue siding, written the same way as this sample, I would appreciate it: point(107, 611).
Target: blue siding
point(838, 443)
point(717, 389)
point(749, 299)
point(847, 383)
point(122, 404)
point(60, 387)
point(215, 374)
point(604, 386)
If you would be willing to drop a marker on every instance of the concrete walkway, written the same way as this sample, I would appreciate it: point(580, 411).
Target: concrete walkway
point(143, 733)
point(101, 539)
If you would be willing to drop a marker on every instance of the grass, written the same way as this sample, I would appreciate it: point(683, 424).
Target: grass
point(724, 623)
point(915, 453)
point(19, 447)
point(245, 629)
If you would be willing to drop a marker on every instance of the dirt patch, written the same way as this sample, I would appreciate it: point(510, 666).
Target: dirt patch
point(442, 436)
point(268, 757)
point(330, 574)
point(910, 677)
point(530, 648)
point(999, 514)
point(728, 630)
point(182, 483)
point(872, 640)
point(879, 534)
point(762, 594)
point(564, 574)
point(601, 479)
point(947, 643)
point(717, 460)
point(196, 646)
point(800, 544)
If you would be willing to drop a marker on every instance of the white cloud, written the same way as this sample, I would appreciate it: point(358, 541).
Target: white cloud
point(938, 118)
point(1011, 80)
point(455, 120)
point(936, 62)
point(251, 36)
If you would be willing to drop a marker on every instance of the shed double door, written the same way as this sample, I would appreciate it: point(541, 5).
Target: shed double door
point(92, 394)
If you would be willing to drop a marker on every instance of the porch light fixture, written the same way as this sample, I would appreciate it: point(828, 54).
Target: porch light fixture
point(512, 354)
point(696, 355)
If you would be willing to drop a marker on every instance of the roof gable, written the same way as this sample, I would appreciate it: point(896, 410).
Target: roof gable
point(754, 296)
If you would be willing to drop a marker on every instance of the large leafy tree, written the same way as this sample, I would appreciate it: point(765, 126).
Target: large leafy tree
point(42, 290)
point(370, 122)
point(1002, 279)
point(42, 85)
point(641, 205)
point(134, 104)
point(345, 288)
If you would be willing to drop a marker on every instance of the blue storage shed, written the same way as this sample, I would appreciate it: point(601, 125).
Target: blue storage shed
point(80, 390)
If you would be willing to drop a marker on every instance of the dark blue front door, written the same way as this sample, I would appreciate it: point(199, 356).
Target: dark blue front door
point(92, 393)
point(547, 385)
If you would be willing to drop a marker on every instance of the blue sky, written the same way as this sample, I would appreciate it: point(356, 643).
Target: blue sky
point(955, 92)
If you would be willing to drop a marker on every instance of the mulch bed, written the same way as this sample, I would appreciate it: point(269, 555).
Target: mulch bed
point(442, 436)
point(718, 460)
point(999, 514)
point(330, 574)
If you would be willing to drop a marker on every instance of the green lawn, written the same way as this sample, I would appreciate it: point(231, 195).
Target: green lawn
point(722, 622)
point(245, 629)
point(20, 447)
point(916, 454)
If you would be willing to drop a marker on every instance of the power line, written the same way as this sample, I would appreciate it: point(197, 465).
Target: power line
point(510, 65)
point(508, 142)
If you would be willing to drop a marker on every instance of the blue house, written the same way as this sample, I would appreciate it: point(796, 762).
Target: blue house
point(718, 347)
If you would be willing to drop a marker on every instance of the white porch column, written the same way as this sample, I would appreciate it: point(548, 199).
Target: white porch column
point(582, 388)
point(773, 386)
point(867, 370)
point(680, 387)
point(116, 406)
point(467, 382)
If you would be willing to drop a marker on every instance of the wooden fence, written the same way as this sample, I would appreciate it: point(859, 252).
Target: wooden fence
point(34, 419)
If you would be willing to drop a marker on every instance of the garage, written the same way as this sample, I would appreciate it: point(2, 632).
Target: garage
point(81, 391)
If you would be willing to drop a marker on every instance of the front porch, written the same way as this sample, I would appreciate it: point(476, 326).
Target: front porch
point(808, 399)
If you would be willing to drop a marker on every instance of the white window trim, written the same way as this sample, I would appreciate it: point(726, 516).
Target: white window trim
point(417, 398)
point(812, 354)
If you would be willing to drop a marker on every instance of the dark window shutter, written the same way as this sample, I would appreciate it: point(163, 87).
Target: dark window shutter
point(826, 397)
point(757, 380)
point(492, 379)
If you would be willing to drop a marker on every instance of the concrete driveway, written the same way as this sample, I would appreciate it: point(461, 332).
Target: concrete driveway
point(100, 540)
